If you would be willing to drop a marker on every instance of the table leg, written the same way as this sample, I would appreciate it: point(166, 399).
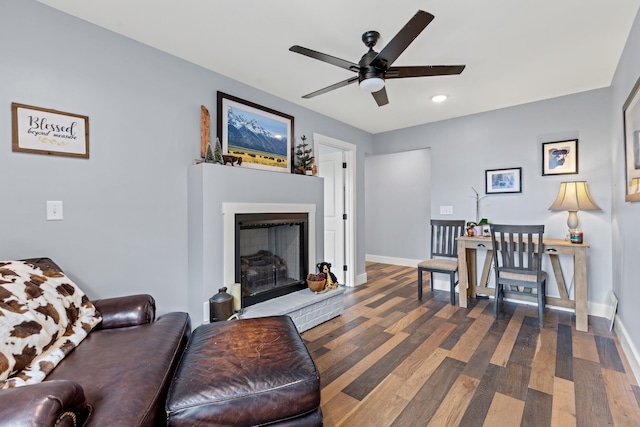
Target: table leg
point(463, 275)
point(580, 280)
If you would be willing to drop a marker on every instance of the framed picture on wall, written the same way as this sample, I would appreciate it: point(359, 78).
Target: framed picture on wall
point(45, 131)
point(260, 137)
point(631, 121)
point(560, 157)
point(503, 181)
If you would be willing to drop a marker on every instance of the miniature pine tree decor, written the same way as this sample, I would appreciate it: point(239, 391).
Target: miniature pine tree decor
point(305, 161)
point(217, 152)
point(209, 154)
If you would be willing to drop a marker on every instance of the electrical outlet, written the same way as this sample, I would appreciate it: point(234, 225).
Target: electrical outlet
point(54, 211)
point(446, 210)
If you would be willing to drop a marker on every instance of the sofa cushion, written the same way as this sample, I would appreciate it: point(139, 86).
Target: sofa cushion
point(43, 316)
point(126, 372)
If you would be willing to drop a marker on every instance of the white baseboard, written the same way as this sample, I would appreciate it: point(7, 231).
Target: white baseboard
point(361, 279)
point(404, 262)
point(630, 351)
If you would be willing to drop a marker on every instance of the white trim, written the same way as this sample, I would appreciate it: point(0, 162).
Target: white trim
point(229, 211)
point(630, 351)
point(350, 202)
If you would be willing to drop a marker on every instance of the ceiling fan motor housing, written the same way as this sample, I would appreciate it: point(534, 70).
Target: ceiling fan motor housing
point(368, 71)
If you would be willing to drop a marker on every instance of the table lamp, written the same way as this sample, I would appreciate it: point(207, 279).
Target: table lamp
point(573, 197)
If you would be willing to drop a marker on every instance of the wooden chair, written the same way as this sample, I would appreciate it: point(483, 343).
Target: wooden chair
point(517, 261)
point(444, 253)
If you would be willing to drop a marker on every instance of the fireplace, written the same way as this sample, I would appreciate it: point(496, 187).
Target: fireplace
point(271, 254)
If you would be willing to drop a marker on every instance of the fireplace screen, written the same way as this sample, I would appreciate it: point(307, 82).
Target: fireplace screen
point(271, 255)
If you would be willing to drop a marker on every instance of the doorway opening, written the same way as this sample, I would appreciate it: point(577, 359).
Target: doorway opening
point(337, 165)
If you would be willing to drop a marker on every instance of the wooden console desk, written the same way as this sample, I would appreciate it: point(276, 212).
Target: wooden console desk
point(469, 287)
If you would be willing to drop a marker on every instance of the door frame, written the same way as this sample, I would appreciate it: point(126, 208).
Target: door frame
point(349, 153)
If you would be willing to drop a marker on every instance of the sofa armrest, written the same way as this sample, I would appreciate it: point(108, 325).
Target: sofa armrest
point(49, 403)
point(130, 310)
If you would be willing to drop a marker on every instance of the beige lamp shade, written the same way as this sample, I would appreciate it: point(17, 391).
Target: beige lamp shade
point(573, 197)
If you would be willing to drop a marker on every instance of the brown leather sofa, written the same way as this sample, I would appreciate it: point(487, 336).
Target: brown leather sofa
point(244, 372)
point(119, 375)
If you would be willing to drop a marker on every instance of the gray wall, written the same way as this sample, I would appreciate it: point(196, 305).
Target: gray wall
point(398, 206)
point(462, 149)
point(125, 208)
point(626, 234)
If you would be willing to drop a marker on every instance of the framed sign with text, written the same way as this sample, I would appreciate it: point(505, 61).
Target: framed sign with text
point(44, 131)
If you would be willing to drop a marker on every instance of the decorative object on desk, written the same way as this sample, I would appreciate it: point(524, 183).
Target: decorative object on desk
point(631, 117)
point(316, 282)
point(332, 280)
point(575, 236)
point(503, 181)
point(220, 306)
point(305, 159)
point(560, 158)
point(262, 137)
point(573, 196)
point(205, 133)
point(477, 228)
point(44, 131)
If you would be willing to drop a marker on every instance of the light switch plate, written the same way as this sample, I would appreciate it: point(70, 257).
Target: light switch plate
point(446, 210)
point(54, 211)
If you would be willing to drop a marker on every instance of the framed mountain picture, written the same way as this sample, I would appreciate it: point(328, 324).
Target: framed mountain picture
point(254, 136)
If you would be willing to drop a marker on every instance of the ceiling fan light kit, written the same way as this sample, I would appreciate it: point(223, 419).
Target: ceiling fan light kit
point(372, 84)
point(373, 68)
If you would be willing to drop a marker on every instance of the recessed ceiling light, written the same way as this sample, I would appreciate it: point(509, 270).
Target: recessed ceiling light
point(438, 98)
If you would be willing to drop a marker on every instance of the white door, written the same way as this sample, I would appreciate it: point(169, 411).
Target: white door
point(334, 239)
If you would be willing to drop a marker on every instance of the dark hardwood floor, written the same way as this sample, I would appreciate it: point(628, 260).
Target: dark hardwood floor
point(392, 360)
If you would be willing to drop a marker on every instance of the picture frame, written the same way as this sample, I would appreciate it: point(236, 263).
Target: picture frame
point(499, 181)
point(269, 146)
point(560, 157)
point(631, 124)
point(46, 131)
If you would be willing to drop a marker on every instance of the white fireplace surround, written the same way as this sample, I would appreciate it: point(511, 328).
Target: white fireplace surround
point(229, 211)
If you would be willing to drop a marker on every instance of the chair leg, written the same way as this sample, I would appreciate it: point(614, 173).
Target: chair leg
point(541, 302)
point(419, 283)
point(431, 280)
point(452, 278)
point(496, 301)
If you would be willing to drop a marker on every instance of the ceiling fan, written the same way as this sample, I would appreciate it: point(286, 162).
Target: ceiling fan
point(373, 68)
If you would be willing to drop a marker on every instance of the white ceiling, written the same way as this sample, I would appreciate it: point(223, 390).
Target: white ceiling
point(515, 51)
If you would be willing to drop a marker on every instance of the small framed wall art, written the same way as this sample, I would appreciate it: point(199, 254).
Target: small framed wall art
point(499, 181)
point(260, 137)
point(631, 121)
point(560, 157)
point(44, 131)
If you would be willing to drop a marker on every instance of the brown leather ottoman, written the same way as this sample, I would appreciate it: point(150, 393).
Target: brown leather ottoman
point(244, 373)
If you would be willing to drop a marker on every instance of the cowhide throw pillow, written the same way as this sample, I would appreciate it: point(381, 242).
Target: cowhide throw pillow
point(43, 316)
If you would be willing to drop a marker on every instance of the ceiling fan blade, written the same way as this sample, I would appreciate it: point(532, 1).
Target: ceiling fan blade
point(381, 97)
point(423, 71)
point(332, 87)
point(347, 65)
point(402, 40)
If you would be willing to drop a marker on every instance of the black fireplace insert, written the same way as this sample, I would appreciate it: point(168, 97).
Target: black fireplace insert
point(271, 256)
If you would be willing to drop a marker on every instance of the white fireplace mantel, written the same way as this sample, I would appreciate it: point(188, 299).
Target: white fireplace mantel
point(216, 193)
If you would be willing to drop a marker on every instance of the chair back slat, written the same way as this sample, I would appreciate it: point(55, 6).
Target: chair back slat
point(518, 248)
point(443, 237)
